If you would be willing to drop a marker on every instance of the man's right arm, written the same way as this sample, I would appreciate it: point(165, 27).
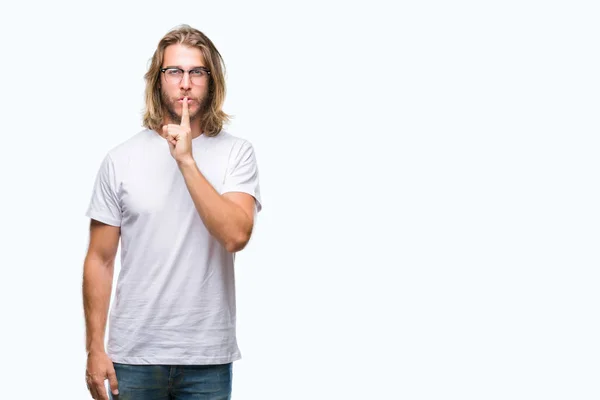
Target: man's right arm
point(98, 271)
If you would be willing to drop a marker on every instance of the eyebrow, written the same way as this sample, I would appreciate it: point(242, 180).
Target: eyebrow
point(179, 66)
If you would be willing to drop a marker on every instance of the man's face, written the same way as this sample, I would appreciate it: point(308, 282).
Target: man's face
point(173, 92)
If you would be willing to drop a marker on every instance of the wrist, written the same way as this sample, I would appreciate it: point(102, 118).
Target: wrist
point(186, 162)
point(95, 348)
point(95, 352)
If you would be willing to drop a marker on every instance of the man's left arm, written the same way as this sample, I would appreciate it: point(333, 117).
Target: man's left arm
point(228, 217)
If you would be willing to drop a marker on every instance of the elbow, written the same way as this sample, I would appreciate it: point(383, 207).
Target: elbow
point(238, 243)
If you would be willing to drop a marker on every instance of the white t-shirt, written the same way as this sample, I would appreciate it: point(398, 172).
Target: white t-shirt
point(175, 294)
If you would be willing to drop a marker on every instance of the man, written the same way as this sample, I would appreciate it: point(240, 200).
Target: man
point(181, 196)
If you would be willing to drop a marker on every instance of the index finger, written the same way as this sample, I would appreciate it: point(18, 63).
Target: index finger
point(185, 113)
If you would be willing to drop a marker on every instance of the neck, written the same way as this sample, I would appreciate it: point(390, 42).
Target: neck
point(196, 130)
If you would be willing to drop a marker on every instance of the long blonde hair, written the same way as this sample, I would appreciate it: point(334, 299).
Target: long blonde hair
point(213, 117)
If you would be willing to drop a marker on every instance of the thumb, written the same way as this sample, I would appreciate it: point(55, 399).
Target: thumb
point(112, 381)
point(165, 131)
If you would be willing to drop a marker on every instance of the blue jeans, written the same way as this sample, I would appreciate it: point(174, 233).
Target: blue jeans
point(173, 382)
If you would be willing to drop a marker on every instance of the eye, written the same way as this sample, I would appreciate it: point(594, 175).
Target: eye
point(173, 72)
point(197, 72)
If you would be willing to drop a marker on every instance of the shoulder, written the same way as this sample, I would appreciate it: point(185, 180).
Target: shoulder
point(225, 138)
point(135, 143)
point(232, 145)
point(118, 157)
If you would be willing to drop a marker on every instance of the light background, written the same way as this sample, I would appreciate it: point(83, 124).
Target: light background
point(429, 173)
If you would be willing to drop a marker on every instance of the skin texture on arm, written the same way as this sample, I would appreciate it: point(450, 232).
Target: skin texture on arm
point(98, 271)
point(228, 217)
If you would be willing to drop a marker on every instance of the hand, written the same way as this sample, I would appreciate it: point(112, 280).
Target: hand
point(179, 137)
point(100, 368)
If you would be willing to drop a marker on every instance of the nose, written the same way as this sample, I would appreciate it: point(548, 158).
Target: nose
point(185, 81)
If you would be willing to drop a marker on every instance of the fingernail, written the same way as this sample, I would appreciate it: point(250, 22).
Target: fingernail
point(115, 392)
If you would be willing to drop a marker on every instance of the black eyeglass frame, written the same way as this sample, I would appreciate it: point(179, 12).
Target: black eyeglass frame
point(163, 70)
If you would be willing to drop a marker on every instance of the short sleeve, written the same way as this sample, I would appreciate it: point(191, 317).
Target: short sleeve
point(242, 173)
point(104, 205)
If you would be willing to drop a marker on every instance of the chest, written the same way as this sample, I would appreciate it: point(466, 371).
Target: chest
point(154, 184)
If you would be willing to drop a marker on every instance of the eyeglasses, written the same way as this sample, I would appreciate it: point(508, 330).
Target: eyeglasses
point(174, 75)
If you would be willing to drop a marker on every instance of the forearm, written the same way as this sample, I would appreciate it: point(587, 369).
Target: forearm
point(227, 222)
point(97, 286)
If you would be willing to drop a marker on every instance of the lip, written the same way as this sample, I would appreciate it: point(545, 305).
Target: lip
point(181, 100)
